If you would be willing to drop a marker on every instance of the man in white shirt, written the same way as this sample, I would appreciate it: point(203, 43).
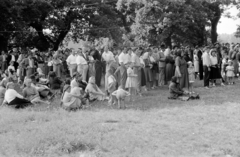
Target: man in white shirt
point(71, 62)
point(206, 66)
point(82, 62)
point(124, 58)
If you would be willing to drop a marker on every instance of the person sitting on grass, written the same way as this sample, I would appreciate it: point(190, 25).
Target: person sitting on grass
point(72, 99)
point(77, 81)
point(94, 92)
point(174, 89)
point(54, 81)
point(31, 94)
point(2, 91)
point(13, 98)
point(121, 94)
point(43, 90)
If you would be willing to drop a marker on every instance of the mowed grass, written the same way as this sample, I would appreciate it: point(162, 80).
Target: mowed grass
point(152, 126)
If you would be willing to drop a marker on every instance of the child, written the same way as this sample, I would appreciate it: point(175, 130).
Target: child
point(191, 73)
point(121, 94)
point(230, 72)
point(131, 81)
point(11, 71)
point(224, 66)
point(111, 86)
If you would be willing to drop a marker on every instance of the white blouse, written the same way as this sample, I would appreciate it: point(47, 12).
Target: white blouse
point(11, 94)
point(214, 60)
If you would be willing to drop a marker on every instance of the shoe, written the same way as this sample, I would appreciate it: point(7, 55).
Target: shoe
point(213, 85)
point(206, 87)
point(222, 84)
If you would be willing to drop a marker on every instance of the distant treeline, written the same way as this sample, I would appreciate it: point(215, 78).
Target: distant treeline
point(230, 38)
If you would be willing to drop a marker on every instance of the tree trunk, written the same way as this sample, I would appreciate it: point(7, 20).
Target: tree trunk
point(215, 7)
point(214, 35)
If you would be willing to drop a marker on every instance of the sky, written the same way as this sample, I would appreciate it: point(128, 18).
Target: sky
point(229, 26)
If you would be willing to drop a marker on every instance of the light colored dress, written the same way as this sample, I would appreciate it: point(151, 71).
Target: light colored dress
point(131, 79)
point(230, 71)
point(191, 73)
point(94, 88)
point(69, 102)
point(196, 63)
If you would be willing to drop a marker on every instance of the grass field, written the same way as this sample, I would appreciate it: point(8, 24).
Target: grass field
point(152, 126)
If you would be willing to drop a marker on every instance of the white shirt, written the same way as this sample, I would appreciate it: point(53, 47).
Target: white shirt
point(111, 79)
point(108, 56)
point(214, 60)
point(81, 60)
point(10, 67)
point(124, 58)
point(11, 94)
point(71, 59)
point(206, 59)
point(13, 58)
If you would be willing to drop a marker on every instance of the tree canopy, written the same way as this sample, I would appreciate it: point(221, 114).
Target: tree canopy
point(45, 24)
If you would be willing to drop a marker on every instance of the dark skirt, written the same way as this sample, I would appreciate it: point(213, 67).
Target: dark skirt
point(143, 78)
point(169, 71)
point(215, 73)
point(20, 103)
point(98, 72)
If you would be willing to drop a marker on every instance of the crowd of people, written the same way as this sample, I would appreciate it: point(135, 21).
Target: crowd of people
point(126, 72)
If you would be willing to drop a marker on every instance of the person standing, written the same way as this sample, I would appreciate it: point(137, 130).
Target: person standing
point(71, 62)
point(57, 65)
point(124, 59)
point(206, 67)
point(137, 68)
point(97, 65)
point(181, 70)
point(108, 57)
point(82, 62)
point(162, 67)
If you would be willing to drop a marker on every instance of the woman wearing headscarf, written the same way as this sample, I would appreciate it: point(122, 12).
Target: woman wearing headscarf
point(94, 92)
point(181, 71)
point(13, 98)
point(71, 99)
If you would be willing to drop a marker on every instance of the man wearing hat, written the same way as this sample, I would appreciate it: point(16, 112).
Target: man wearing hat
point(71, 62)
point(206, 66)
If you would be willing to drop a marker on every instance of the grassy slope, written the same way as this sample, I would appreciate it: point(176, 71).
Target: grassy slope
point(153, 126)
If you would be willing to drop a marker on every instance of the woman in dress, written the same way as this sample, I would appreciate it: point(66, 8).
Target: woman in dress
point(94, 92)
point(181, 71)
point(233, 57)
point(97, 65)
point(215, 73)
point(71, 99)
point(196, 63)
point(169, 65)
point(57, 65)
